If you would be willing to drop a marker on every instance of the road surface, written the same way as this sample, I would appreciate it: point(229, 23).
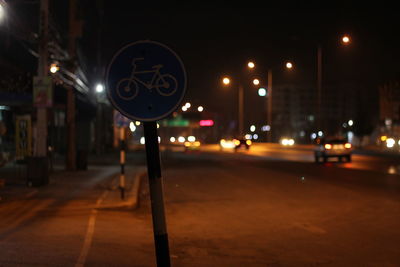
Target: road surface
point(223, 209)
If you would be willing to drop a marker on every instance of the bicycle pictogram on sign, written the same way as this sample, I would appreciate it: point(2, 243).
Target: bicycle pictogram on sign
point(165, 84)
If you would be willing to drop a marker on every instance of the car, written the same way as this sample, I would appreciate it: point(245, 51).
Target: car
point(226, 143)
point(287, 141)
point(328, 148)
point(192, 145)
point(235, 143)
point(241, 142)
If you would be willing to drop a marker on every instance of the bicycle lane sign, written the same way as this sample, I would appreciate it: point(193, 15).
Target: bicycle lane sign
point(146, 81)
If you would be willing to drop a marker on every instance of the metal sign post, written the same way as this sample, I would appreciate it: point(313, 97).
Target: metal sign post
point(156, 194)
point(146, 81)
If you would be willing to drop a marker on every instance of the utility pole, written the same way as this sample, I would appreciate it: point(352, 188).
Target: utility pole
point(241, 104)
point(38, 173)
point(41, 125)
point(269, 105)
point(71, 129)
point(319, 87)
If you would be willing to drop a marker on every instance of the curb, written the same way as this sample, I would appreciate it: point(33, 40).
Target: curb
point(131, 196)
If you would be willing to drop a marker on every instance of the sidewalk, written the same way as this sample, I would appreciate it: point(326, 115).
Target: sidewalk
point(13, 180)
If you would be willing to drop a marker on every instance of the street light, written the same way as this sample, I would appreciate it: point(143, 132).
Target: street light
point(289, 66)
point(256, 81)
point(54, 68)
point(346, 39)
point(319, 115)
point(226, 81)
point(350, 122)
point(262, 91)
point(99, 88)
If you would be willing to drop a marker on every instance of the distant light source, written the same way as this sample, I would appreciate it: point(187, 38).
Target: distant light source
point(390, 142)
point(248, 136)
point(132, 126)
point(4, 108)
point(200, 109)
point(250, 65)
point(188, 105)
point(206, 123)
point(262, 92)
point(345, 39)
point(172, 139)
point(256, 81)
point(266, 128)
point(350, 122)
point(53, 67)
point(289, 65)
point(313, 136)
point(99, 88)
point(252, 128)
point(226, 80)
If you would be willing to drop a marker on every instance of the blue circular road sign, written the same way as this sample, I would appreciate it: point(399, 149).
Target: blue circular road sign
point(146, 81)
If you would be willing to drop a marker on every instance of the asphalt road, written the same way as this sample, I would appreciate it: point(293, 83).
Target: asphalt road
point(304, 153)
point(223, 209)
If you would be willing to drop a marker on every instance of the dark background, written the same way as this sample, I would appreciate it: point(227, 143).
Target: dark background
point(218, 39)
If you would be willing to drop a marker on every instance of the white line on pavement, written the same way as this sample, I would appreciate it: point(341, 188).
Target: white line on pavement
point(90, 231)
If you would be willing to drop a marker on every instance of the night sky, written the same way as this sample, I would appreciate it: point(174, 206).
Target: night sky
point(215, 40)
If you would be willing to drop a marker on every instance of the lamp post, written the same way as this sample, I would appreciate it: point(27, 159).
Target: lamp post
point(227, 81)
point(289, 66)
point(99, 90)
point(345, 40)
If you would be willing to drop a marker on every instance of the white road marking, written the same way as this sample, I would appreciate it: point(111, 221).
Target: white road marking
point(90, 232)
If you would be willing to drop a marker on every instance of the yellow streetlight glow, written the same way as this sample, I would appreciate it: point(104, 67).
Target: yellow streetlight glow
point(256, 81)
point(54, 68)
point(346, 39)
point(226, 80)
point(251, 65)
point(289, 65)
